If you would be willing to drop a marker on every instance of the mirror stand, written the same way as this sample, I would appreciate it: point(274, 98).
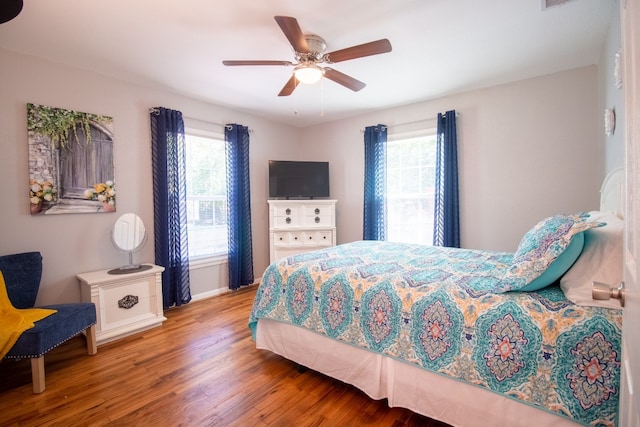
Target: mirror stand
point(125, 269)
point(131, 267)
point(129, 235)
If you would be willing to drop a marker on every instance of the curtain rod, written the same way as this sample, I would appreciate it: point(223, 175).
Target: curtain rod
point(430, 119)
point(419, 121)
point(226, 126)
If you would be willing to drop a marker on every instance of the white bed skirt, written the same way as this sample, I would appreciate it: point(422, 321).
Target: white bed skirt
point(403, 384)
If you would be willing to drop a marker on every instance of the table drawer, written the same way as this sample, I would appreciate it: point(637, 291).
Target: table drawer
point(126, 302)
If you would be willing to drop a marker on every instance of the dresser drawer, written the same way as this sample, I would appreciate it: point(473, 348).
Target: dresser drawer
point(286, 221)
point(317, 210)
point(288, 238)
point(320, 220)
point(302, 216)
point(281, 238)
point(318, 238)
point(126, 302)
point(286, 210)
point(285, 216)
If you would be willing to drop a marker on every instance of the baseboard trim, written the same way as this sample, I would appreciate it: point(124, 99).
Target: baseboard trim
point(209, 294)
point(217, 292)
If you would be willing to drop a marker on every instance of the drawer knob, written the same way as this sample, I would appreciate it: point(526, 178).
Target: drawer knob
point(295, 238)
point(317, 211)
point(310, 237)
point(128, 301)
point(288, 220)
point(317, 219)
point(287, 211)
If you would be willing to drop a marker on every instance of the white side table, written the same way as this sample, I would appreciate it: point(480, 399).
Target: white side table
point(125, 303)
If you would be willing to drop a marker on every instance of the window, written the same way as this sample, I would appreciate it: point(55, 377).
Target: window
point(411, 189)
point(206, 195)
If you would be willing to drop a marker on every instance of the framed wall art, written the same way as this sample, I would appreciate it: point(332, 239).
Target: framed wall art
point(70, 161)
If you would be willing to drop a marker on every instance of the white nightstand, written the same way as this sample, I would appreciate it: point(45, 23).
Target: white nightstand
point(125, 303)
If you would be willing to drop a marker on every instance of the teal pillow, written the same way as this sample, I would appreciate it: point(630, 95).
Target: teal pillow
point(558, 267)
point(539, 250)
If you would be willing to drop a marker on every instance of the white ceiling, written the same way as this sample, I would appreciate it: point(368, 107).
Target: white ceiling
point(439, 47)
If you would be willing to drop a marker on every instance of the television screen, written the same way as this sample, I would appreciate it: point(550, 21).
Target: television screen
point(298, 179)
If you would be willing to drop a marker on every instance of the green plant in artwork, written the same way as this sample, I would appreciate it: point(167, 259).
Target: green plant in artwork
point(58, 123)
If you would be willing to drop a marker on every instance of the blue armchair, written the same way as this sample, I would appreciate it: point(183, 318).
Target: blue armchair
point(22, 274)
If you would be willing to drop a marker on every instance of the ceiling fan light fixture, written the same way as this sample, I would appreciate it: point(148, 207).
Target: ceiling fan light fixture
point(308, 73)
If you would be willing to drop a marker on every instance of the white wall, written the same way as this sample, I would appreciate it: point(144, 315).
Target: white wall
point(612, 147)
point(527, 150)
point(76, 243)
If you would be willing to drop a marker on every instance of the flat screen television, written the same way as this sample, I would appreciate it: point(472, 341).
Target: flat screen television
point(293, 179)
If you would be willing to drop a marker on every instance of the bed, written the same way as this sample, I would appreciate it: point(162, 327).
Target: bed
point(463, 336)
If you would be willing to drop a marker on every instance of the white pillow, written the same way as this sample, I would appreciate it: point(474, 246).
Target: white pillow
point(600, 261)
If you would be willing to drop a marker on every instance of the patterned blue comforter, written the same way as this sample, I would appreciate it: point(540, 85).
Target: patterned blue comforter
point(429, 306)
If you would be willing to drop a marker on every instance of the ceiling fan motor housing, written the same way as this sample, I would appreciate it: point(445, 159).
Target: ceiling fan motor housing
point(316, 45)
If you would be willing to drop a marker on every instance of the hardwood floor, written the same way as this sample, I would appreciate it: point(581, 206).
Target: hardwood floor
point(200, 368)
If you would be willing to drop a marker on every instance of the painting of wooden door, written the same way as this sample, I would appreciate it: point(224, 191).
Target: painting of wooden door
point(85, 163)
point(70, 161)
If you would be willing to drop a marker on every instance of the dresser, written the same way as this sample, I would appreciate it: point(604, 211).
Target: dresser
point(298, 226)
point(125, 303)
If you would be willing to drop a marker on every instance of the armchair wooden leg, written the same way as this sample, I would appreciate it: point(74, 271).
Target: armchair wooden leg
point(37, 374)
point(92, 347)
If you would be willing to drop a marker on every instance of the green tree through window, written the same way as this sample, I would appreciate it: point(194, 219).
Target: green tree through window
point(206, 195)
point(410, 189)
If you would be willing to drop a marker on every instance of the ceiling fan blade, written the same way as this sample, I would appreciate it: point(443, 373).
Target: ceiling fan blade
point(258, 62)
point(291, 29)
point(343, 79)
point(359, 51)
point(289, 87)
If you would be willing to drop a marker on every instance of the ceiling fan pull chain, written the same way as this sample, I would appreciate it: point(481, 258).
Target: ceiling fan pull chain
point(321, 97)
point(295, 104)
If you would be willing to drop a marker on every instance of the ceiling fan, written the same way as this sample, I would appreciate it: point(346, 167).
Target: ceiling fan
point(309, 53)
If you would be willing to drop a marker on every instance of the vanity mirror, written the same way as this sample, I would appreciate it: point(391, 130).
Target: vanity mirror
point(129, 236)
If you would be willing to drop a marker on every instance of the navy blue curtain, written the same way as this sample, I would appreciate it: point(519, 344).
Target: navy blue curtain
point(238, 206)
point(375, 183)
point(446, 230)
point(170, 205)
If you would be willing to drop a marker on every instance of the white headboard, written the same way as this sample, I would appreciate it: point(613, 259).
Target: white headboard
point(612, 192)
